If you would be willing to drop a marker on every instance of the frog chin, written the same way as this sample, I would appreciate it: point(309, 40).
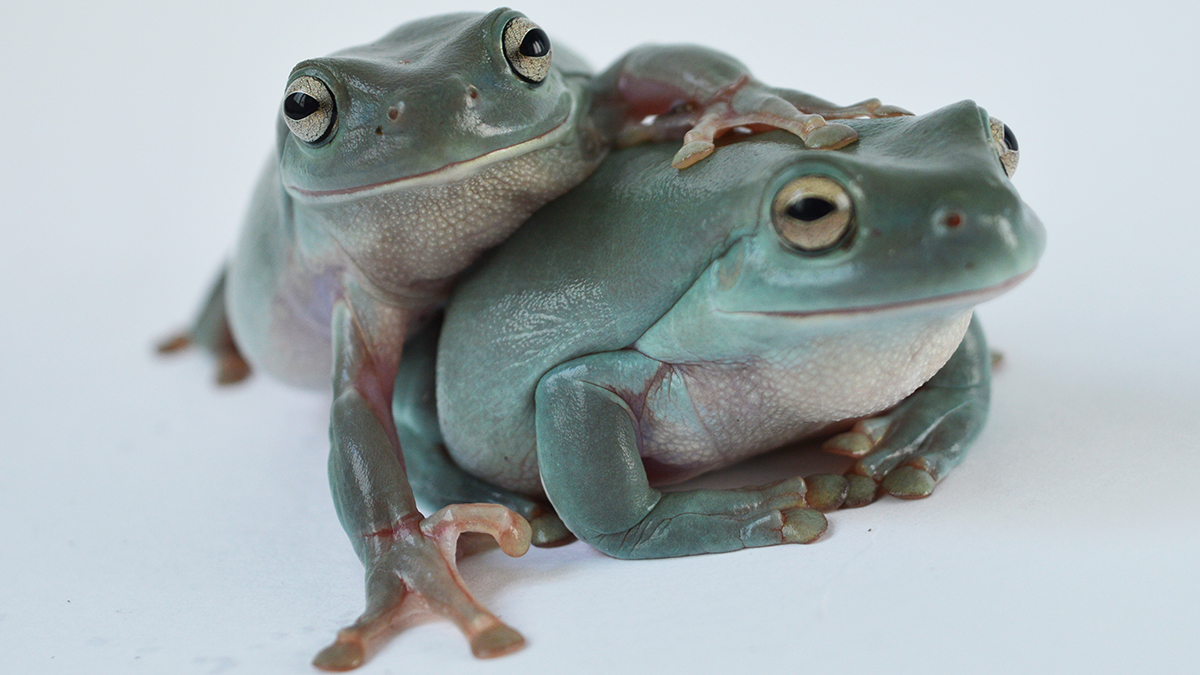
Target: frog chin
point(445, 174)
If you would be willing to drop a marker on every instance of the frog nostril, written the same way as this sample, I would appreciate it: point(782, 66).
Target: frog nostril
point(953, 219)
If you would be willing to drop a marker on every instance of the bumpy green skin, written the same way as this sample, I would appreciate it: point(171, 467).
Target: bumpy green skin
point(650, 325)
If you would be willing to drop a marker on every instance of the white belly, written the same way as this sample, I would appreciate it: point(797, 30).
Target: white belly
point(711, 413)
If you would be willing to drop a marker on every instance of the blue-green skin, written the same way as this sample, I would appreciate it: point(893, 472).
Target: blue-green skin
point(440, 151)
point(649, 308)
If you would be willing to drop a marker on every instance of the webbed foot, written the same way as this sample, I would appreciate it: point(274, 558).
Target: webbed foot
point(906, 451)
point(752, 106)
point(665, 91)
point(414, 569)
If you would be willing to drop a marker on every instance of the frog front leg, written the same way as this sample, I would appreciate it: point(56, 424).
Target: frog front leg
point(211, 332)
point(409, 559)
point(667, 91)
point(433, 474)
point(908, 449)
point(589, 442)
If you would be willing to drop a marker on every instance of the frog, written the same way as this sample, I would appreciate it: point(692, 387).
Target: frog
point(397, 163)
point(650, 327)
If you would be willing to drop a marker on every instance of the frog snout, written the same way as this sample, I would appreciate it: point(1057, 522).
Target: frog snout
point(995, 238)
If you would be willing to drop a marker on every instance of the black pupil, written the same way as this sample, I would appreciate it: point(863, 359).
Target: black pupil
point(810, 209)
point(535, 43)
point(1010, 139)
point(300, 105)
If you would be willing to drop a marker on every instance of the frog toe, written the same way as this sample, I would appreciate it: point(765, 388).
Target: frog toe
point(890, 111)
point(830, 137)
point(231, 368)
point(851, 444)
point(497, 640)
point(691, 153)
point(826, 491)
point(549, 531)
point(803, 526)
point(174, 343)
point(860, 491)
point(341, 656)
point(909, 482)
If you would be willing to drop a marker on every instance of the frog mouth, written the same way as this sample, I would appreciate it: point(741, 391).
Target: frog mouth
point(962, 299)
point(443, 175)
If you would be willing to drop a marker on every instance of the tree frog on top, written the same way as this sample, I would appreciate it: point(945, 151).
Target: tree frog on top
point(397, 163)
point(650, 326)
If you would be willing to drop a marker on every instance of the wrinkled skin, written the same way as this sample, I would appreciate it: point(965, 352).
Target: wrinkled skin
point(397, 163)
point(648, 327)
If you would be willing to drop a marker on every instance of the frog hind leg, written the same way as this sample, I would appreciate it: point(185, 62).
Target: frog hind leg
point(410, 560)
point(908, 449)
point(211, 332)
point(703, 94)
point(435, 478)
point(591, 468)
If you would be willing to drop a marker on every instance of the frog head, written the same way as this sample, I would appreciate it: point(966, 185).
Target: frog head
point(444, 93)
point(921, 212)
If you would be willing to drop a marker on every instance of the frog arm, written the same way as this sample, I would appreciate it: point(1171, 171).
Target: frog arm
point(590, 463)
point(700, 94)
point(211, 332)
point(908, 449)
point(409, 560)
point(435, 478)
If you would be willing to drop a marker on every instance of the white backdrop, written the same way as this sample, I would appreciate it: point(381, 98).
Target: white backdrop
point(151, 523)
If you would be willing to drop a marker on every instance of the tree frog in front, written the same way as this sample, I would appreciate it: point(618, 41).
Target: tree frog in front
point(397, 163)
point(651, 326)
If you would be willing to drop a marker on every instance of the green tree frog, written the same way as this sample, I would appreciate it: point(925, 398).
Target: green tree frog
point(650, 326)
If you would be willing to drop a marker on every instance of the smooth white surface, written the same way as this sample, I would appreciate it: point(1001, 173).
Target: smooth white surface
point(153, 524)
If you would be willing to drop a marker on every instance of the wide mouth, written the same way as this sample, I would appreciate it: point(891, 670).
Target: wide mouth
point(446, 173)
point(948, 301)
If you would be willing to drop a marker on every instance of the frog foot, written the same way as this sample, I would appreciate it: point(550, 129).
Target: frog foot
point(413, 571)
point(231, 365)
point(907, 450)
point(751, 106)
point(900, 472)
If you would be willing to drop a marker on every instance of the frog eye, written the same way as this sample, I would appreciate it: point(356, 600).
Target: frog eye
point(527, 49)
point(812, 214)
point(1005, 142)
point(309, 109)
